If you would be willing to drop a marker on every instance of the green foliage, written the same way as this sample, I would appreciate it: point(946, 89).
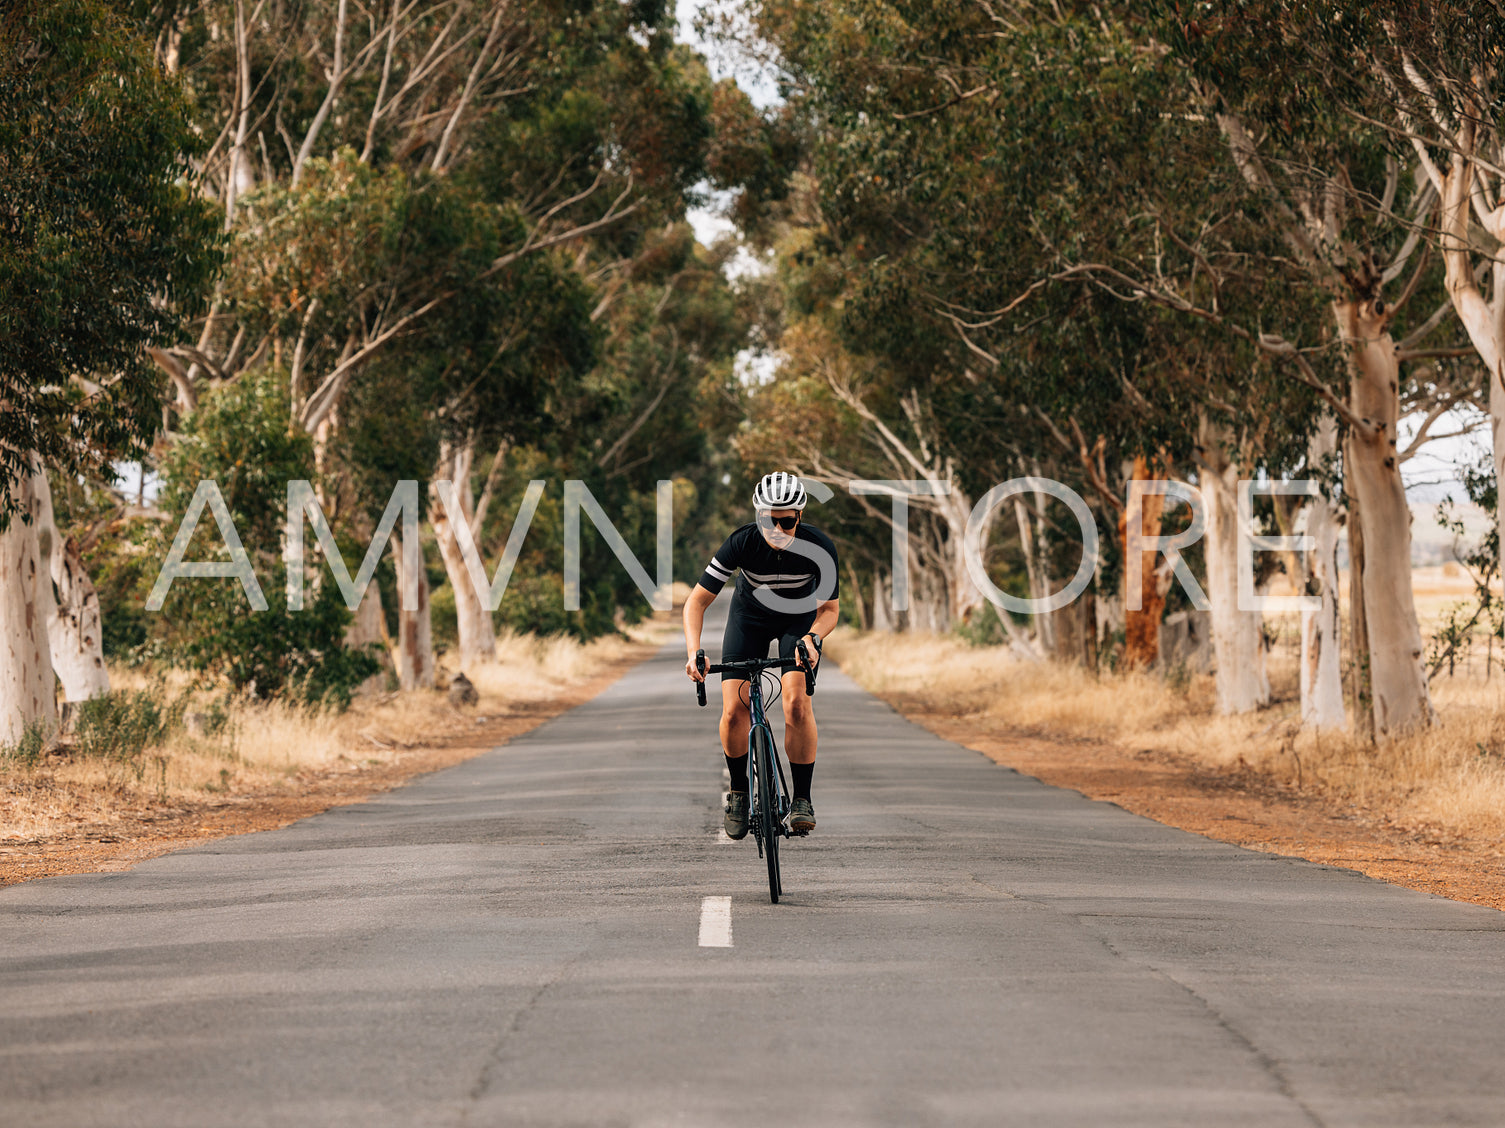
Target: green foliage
point(27, 751)
point(104, 248)
point(983, 629)
point(535, 595)
point(120, 726)
point(417, 297)
point(240, 439)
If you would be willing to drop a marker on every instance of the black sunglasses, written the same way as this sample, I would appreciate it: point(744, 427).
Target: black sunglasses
point(785, 523)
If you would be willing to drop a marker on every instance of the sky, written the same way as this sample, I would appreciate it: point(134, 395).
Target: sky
point(709, 222)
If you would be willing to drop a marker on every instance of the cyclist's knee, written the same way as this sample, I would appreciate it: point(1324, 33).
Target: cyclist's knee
point(797, 710)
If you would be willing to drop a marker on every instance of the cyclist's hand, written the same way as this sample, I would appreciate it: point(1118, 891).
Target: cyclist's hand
point(693, 670)
point(812, 651)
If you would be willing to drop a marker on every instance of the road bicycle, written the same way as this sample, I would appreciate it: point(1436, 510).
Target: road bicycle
point(766, 788)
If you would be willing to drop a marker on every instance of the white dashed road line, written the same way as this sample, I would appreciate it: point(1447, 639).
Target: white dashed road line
point(716, 922)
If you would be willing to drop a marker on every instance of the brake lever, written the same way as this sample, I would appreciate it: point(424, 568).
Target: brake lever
point(700, 685)
point(809, 669)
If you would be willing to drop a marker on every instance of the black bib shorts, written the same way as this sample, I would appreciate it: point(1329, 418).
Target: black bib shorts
point(750, 632)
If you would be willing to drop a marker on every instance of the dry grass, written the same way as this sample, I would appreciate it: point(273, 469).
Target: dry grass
point(258, 746)
point(1447, 782)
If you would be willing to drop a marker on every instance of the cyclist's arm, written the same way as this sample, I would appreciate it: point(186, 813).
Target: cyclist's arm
point(695, 607)
point(712, 580)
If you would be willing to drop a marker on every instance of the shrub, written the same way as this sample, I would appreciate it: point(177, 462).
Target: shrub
point(240, 438)
point(26, 751)
point(120, 726)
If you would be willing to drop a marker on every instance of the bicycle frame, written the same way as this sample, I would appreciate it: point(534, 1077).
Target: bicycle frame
point(759, 720)
point(760, 730)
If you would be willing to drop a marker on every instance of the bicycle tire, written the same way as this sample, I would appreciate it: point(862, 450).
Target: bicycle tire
point(768, 813)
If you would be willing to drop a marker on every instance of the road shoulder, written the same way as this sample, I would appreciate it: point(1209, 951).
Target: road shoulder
point(137, 835)
point(1243, 808)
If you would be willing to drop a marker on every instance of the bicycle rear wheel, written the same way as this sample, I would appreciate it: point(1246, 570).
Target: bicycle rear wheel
point(768, 808)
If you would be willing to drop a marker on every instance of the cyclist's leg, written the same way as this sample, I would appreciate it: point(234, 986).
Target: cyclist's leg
point(745, 637)
point(799, 730)
point(735, 721)
point(799, 720)
point(799, 717)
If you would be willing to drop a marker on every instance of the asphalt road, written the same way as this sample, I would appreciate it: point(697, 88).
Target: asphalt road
point(518, 941)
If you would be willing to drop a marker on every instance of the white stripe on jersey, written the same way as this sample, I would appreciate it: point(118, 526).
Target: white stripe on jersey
point(771, 577)
point(716, 569)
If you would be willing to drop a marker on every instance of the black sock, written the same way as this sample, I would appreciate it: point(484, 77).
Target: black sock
point(802, 774)
point(737, 765)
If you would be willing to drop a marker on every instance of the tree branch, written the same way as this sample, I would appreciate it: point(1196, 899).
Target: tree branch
point(324, 397)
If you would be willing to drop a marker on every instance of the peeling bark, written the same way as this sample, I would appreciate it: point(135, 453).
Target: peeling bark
point(414, 658)
point(1243, 684)
point(1397, 677)
point(1142, 627)
point(75, 632)
point(477, 632)
point(1321, 635)
point(27, 685)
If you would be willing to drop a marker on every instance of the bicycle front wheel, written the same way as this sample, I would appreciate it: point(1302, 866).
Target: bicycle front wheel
point(768, 808)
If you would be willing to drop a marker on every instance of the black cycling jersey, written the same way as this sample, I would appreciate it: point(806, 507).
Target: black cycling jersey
point(777, 590)
point(771, 581)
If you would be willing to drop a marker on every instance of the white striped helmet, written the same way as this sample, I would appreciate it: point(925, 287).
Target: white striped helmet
point(779, 491)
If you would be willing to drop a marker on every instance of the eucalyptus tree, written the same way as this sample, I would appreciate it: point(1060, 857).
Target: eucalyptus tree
point(558, 120)
point(1351, 218)
point(103, 254)
point(1182, 162)
point(1426, 77)
point(405, 182)
point(958, 165)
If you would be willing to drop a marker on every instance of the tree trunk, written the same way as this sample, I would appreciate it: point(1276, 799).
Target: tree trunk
point(1067, 631)
point(1237, 640)
point(367, 628)
point(1142, 627)
point(855, 586)
point(476, 629)
point(928, 598)
point(882, 607)
point(1321, 637)
point(1483, 321)
point(1035, 568)
point(415, 630)
point(1397, 677)
point(75, 634)
point(1359, 692)
point(961, 597)
point(1090, 643)
point(27, 686)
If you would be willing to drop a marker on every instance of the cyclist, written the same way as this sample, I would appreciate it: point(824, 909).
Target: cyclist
point(787, 589)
